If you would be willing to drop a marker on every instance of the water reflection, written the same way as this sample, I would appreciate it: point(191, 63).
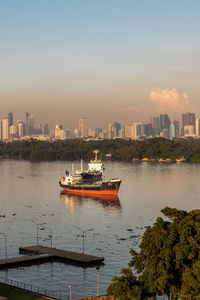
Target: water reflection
point(72, 201)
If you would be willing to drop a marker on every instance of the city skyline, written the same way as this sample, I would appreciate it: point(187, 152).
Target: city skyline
point(103, 60)
point(160, 125)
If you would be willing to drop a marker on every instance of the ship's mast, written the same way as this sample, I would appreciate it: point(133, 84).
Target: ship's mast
point(96, 153)
point(81, 165)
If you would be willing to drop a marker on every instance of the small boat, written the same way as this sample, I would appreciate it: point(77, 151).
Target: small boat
point(90, 182)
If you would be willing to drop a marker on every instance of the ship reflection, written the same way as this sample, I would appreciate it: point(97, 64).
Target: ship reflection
point(111, 202)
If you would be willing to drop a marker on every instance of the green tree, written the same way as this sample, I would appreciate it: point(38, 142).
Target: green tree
point(168, 261)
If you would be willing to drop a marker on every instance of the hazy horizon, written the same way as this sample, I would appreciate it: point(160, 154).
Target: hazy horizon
point(103, 60)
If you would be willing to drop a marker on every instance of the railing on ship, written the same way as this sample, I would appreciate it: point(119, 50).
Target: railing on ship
point(32, 288)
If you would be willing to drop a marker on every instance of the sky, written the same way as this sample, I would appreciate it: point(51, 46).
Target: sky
point(108, 60)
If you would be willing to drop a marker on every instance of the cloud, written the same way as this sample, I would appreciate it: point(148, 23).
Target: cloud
point(160, 101)
point(169, 100)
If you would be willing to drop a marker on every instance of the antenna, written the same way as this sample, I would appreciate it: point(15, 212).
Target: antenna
point(81, 165)
point(96, 152)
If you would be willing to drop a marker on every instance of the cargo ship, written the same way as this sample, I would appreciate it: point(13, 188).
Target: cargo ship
point(90, 182)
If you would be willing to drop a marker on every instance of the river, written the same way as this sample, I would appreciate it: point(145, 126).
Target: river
point(30, 194)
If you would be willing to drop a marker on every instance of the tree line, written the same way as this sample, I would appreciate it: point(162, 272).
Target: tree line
point(121, 150)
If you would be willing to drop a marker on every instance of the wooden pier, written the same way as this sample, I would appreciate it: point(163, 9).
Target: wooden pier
point(40, 254)
point(23, 260)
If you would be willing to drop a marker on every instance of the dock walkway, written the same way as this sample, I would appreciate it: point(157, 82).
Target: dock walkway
point(63, 254)
point(17, 261)
point(38, 254)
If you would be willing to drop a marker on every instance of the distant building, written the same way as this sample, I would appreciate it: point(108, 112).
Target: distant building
point(155, 122)
point(46, 129)
point(30, 124)
point(76, 132)
point(189, 130)
point(91, 132)
point(148, 129)
point(197, 126)
point(187, 120)
point(10, 119)
point(110, 131)
point(83, 131)
point(98, 132)
point(177, 128)
point(5, 129)
point(164, 121)
point(13, 131)
point(68, 133)
point(164, 133)
point(128, 132)
point(138, 130)
point(60, 134)
point(174, 129)
point(172, 133)
point(1, 129)
point(20, 128)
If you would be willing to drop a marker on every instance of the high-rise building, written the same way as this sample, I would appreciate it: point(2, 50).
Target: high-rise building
point(177, 128)
point(30, 124)
point(116, 128)
point(46, 129)
point(187, 120)
point(83, 131)
point(20, 129)
point(138, 130)
point(10, 119)
point(98, 132)
point(174, 129)
point(197, 126)
point(128, 132)
point(13, 131)
point(189, 130)
point(60, 134)
point(164, 133)
point(155, 122)
point(110, 131)
point(1, 129)
point(91, 132)
point(148, 129)
point(5, 129)
point(164, 121)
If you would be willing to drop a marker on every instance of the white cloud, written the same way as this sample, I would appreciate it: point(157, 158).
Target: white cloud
point(169, 100)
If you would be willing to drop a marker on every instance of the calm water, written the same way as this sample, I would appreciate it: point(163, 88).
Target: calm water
point(30, 193)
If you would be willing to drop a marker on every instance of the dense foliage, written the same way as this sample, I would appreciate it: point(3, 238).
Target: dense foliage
point(120, 149)
point(168, 262)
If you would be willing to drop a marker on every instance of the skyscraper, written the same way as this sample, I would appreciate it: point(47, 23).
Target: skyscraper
point(164, 121)
point(187, 119)
point(155, 122)
point(30, 123)
point(83, 131)
point(20, 128)
point(5, 129)
point(0, 129)
point(10, 119)
point(197, 126)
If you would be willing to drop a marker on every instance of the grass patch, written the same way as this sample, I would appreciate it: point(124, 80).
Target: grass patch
point(13, 293)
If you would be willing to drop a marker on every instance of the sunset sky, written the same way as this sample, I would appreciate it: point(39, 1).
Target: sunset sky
point(106, 60)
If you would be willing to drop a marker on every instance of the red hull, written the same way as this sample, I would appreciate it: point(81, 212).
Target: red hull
point(91, 193)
